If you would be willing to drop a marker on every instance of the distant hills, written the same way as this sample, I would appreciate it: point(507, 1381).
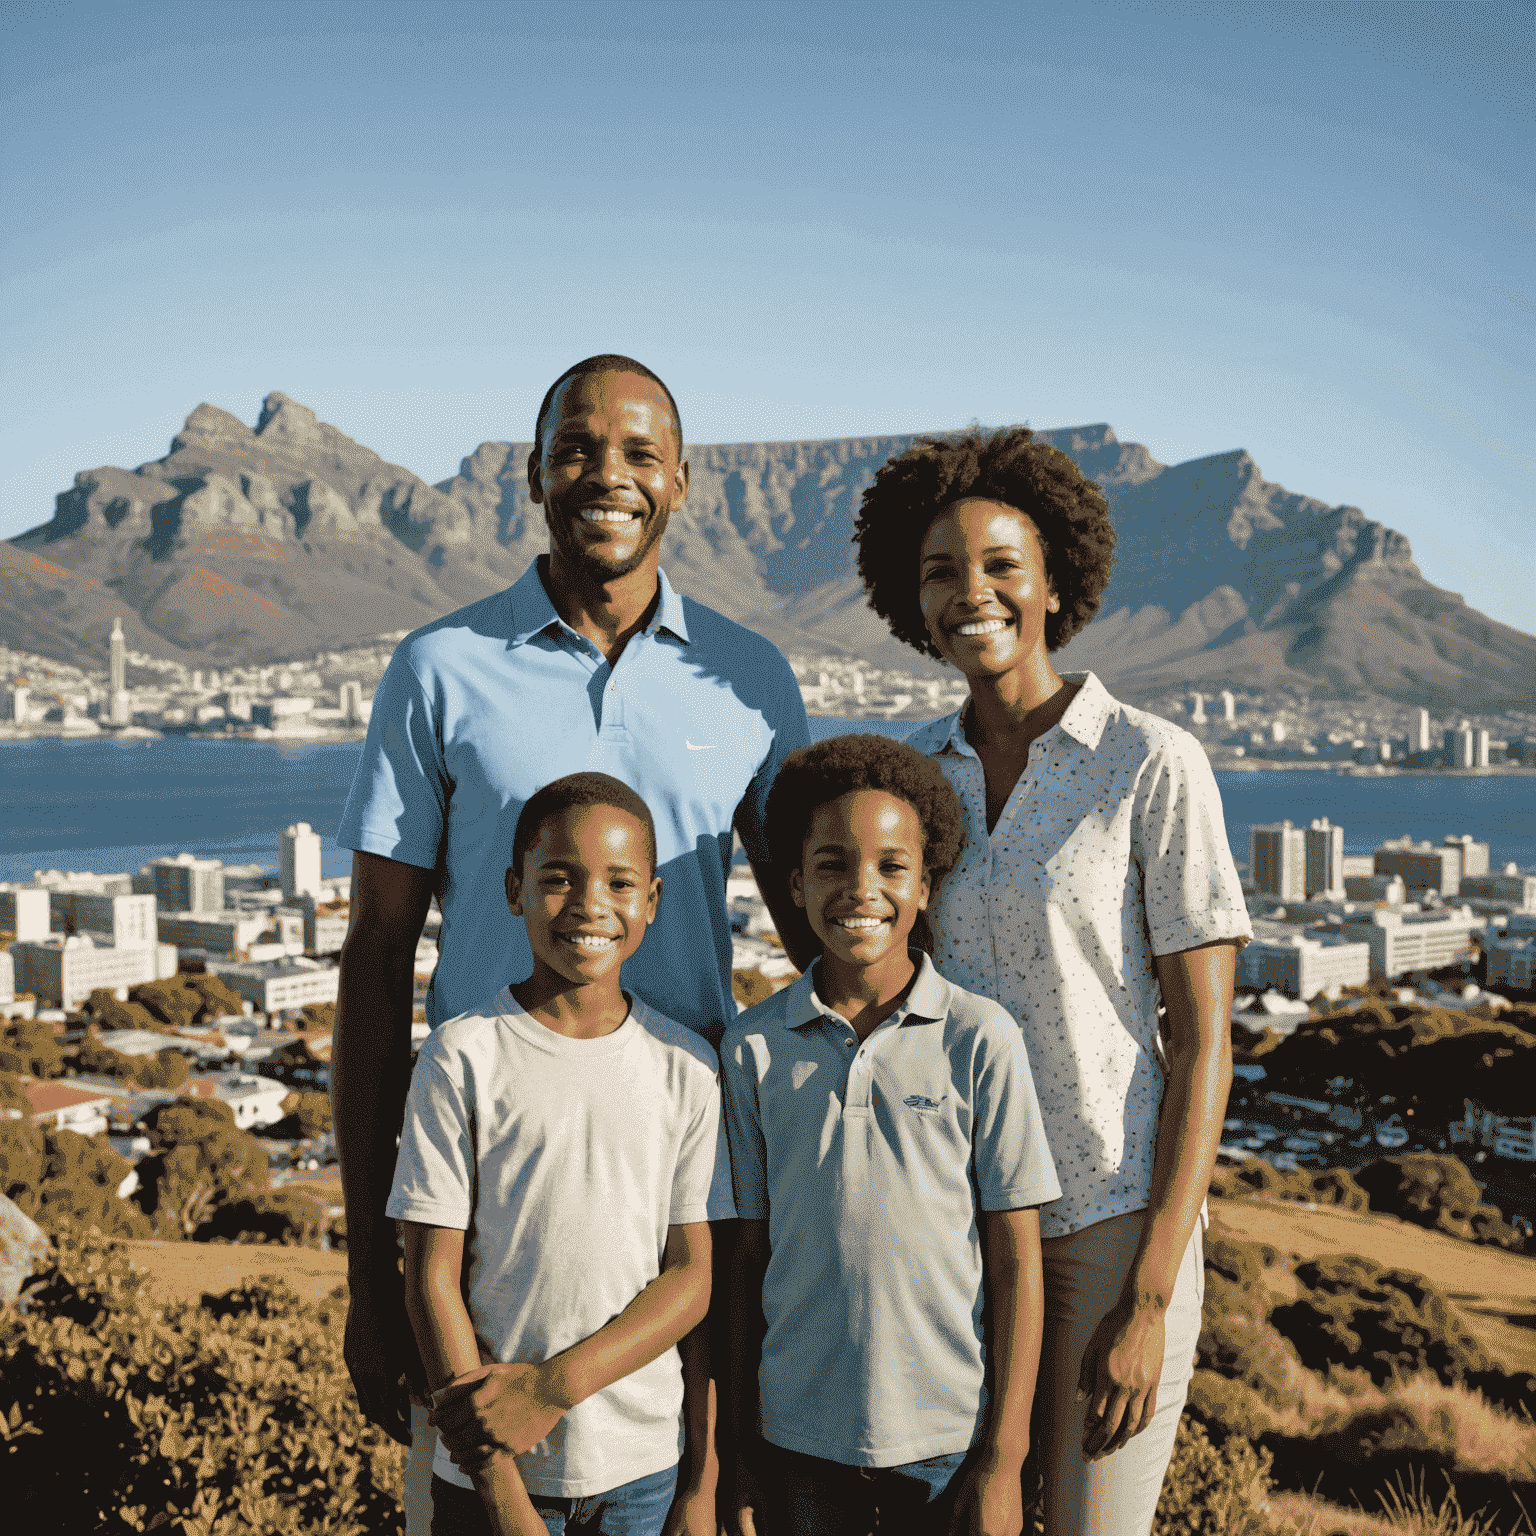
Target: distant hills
point(290, 538)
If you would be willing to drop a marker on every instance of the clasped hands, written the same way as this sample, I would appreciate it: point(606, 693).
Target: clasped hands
point(497, 1409)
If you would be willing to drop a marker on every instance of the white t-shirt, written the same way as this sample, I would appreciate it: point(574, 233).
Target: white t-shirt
point(566, 1161)
point(1110, 851)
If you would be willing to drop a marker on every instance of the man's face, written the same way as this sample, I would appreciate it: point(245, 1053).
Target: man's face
point(608, 473)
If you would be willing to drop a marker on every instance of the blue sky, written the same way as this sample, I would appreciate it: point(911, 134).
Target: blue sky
point(1305, 230)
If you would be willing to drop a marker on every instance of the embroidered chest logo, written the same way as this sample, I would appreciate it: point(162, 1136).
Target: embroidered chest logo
point(921, 1101)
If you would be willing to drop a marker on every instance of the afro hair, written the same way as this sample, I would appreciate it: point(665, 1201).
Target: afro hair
point(1010, 466)
point(827, 770)
point(576, 790)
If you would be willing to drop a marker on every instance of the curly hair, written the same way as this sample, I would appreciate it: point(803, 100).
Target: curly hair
point(1010, 466)
point(570, 793)
point(827, 770)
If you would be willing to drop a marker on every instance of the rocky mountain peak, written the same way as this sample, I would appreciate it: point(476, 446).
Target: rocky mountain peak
point(208, 426)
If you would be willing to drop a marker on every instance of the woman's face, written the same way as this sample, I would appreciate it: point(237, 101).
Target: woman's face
point(982, 587)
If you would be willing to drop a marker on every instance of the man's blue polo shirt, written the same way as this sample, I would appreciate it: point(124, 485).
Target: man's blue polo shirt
point(489, 704)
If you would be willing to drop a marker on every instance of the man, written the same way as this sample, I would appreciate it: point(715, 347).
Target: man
point(590, 661)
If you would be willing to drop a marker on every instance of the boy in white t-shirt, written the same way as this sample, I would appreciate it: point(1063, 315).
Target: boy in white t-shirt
point(561, 1157)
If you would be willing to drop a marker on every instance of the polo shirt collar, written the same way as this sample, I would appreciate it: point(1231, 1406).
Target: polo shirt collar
point(1084, 720)
point(927, 998)
point(533, 611)
point(669, 611)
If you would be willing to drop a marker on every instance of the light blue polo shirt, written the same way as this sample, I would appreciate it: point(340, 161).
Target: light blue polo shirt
point(870, 1163)
point(489, 704)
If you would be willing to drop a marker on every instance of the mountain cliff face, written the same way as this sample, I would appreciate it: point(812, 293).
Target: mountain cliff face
point(290, 537)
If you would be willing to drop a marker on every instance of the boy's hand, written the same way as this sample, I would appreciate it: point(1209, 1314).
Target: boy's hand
point(492, 1409)
point(692, 1514)
point(1121, 1368)
point(989, 1500)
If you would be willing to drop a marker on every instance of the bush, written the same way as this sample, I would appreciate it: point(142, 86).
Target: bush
point(1253, 1176)
point(285, 1216)
point(200, 1162)
point(183, 999)
point(62, 1179)
point(29, 1045)
point(1355, 1313)
point(108, 1013)
point(209, 1420)
point(1438, 1193)
point(1212, 1490)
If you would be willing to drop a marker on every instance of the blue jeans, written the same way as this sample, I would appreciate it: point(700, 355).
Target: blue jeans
point(829, 1498)
point(632, 1509)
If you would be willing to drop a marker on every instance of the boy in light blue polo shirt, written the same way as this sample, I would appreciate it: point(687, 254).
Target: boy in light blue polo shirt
point(887, 1153)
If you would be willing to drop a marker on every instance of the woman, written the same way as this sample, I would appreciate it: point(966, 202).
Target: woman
point(1095, 884)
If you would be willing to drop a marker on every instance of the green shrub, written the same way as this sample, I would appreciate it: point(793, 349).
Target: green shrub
point(123, 1413)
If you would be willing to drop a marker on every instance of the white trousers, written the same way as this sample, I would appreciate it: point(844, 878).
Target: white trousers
point(1084, 1271)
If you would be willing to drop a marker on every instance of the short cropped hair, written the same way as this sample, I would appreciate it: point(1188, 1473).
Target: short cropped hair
point(1009, 466)
point(570, 793)
point(827, 770)
point(604, 362)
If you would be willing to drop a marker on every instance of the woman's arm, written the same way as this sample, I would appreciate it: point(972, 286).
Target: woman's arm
point(1124, 1358)
point(434, 1260)
point(502, 1407)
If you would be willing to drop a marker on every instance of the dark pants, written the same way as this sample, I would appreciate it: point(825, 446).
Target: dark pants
point(633, 1509)
point(813, 1497)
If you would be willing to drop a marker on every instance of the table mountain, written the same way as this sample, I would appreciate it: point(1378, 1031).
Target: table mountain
point(287, 538)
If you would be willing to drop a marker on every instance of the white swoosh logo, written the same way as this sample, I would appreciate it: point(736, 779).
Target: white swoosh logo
point(708, 746)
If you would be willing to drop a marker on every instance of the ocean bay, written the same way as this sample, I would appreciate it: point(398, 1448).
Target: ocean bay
point(110, 805)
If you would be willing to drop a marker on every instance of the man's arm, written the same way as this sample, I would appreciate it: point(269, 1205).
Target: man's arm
point(1124, 1358)
point(445, 1335)
point(511, 1407)
point(748, 1327)
point(370, 1071)
point(989, 1502)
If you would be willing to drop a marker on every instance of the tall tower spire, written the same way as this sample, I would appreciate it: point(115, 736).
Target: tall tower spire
point(119, 704)
point(117, 658)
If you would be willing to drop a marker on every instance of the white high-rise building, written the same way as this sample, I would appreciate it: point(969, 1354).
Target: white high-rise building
point(19, 707)
point(1277, 860)
point(299, 861)
point(351, 701)
point(1228, 705)
point(1418, 738)
point(1325, 859)
point(1480, 749)
point(1197, 708)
